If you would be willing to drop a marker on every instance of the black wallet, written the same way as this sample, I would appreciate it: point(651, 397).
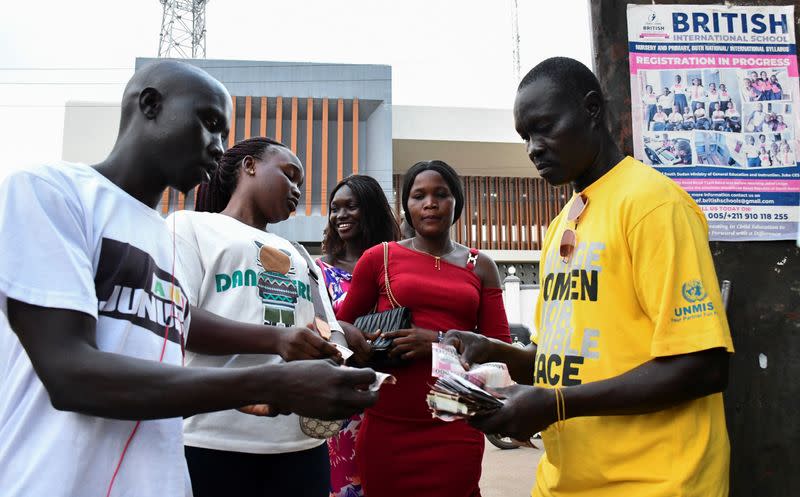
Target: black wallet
point(395, 319)
point(391, 320)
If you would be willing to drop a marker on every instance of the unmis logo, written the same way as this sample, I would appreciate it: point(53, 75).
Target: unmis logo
point(693, 291)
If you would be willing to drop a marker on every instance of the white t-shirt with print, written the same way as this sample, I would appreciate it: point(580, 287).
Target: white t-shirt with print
point(235, 271)
point(73, 240)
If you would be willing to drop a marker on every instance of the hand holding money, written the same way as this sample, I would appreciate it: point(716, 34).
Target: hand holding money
point(320, 390)
point(525, 411)
point(473, 348)
point(458, 393)
point(302, 343)
point(266, 410)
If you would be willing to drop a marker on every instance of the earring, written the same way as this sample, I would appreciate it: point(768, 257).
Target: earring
point(251, 172)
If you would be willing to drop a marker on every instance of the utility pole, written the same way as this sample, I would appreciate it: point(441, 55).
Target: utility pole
point(515, 39)
point(183, 29)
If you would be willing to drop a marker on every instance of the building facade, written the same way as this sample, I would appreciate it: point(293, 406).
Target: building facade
point(339, 120)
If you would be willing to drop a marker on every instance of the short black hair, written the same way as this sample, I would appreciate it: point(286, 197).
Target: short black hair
point(572, 76)
point(378, 223)
point(450, 177)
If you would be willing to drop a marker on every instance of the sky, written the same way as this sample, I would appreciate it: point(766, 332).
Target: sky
point(442, 52)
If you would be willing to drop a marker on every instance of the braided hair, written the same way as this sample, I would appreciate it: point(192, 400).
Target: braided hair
point(214, 195)
point(378, 223)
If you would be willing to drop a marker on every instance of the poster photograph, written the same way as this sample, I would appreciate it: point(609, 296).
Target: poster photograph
point(714, 93)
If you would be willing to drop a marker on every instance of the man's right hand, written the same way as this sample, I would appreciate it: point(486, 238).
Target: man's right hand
point(472, 347)
point(302, 343)
point(320, 390)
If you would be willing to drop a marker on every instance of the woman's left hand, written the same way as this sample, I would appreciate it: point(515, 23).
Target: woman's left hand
point(411, 343)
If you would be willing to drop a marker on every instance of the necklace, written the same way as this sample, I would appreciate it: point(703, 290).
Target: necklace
point(437, 258)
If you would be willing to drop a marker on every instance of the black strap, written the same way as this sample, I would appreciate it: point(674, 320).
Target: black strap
point(316, 297)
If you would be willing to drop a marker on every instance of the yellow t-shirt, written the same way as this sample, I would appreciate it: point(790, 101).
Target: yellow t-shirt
point(641, 284)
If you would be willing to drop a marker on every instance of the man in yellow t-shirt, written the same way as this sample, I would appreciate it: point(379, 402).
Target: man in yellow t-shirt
point(632, 343)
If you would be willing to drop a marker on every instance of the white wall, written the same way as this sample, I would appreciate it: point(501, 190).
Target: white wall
point(520, 302)
point(461, 124)
point(528, 294)
point(90, 129)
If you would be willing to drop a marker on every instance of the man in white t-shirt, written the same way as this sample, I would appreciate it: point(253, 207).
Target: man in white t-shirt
point(94, 319)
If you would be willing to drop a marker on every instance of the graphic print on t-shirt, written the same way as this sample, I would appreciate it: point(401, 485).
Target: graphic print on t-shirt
point(130, 286)
point(562, 349)
point(276, 286)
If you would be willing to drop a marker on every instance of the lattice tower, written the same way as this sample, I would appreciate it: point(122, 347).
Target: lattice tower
point(183, 29)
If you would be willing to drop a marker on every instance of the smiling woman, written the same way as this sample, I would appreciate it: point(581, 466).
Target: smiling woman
point(350, 231)
point(360, 217)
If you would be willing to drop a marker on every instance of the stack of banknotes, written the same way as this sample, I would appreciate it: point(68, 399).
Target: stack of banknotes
point(458, 393)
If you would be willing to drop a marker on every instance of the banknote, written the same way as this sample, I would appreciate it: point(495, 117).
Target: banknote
point(266, 410)
point(458, 393)
point(380, 379)
point(445, 359)
point(346, 353)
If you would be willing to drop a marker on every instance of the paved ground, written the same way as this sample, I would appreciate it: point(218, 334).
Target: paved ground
point(508, 473)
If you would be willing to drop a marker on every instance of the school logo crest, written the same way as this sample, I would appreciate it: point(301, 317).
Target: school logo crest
point(693, 291)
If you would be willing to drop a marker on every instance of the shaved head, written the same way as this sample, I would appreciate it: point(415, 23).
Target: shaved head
point(168, 77)
point(174, 122)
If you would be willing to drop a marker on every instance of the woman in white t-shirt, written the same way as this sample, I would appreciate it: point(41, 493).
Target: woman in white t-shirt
point(774, 154)
point(751, 152)
point(666, 100)
point(712, 95)
point(732, 118)
point(717, 117)
point(755, 122)
point(697, 93)
point(688, 119)
point(236, 269)
point(659, 120)
point(679, 92)
point(675, 119)
point(701, 120)
point(785, 155)
point(731, 111)
point(724, 97)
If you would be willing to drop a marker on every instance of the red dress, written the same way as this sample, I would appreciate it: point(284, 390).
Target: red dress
point(401, 450)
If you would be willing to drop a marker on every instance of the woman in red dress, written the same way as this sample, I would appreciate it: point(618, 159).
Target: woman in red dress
point(401, 449)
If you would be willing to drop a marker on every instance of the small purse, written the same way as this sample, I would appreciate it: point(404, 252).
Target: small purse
point(319, 429)
point(397, 318)
point(391, 320)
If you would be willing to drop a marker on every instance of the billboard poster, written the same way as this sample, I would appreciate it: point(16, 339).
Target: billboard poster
point(714, 96)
